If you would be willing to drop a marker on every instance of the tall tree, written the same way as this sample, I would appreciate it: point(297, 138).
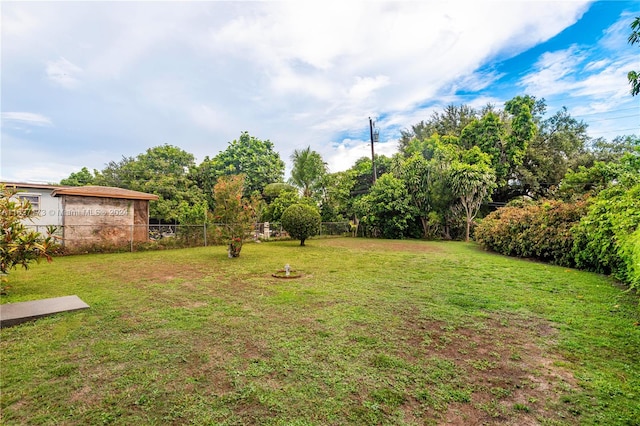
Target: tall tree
point(247, 155)
point(165, 171)
point(560, 143)
point(386, 208)
point(80, 178)
point(472, 184)
point(449, 122)
point(337, 200)
point(416, 171)
point(308, 170)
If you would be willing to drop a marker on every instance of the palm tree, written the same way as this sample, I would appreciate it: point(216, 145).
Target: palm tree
point(308, 170)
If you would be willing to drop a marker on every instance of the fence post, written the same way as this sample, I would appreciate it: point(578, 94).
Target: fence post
point(204, 226)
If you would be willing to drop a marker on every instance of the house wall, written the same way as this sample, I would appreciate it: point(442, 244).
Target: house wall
point(91, 221)
point(49, 212)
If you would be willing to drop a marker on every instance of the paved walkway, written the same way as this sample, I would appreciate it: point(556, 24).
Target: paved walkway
point(16, 313)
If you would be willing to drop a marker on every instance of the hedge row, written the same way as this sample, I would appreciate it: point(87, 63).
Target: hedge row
point(602, 235)
point(541, 230)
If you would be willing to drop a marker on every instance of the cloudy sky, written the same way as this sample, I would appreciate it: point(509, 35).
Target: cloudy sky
point(85, 83)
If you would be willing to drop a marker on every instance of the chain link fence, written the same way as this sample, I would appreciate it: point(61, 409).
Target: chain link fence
point(117, 238)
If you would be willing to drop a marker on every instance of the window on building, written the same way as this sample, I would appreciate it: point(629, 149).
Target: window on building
point(34, 200)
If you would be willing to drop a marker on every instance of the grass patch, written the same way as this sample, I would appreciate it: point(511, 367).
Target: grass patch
point(375, 332)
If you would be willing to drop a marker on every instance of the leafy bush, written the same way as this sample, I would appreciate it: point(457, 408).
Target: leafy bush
point(19, 246)
point(301, 221)
point(607, 239)
point(386, 207)
point(235, 213)
point(541, 230)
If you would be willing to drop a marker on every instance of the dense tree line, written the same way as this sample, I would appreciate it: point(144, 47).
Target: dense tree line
point(447, 169)
point(450, 171)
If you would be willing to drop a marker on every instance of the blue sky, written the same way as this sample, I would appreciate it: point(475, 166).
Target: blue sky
point(85, 83)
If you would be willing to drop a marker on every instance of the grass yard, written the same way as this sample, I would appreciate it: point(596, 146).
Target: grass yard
point(375, 332)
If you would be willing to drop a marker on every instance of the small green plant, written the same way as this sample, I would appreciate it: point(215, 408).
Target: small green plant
point(20, 246)
point(301, 221)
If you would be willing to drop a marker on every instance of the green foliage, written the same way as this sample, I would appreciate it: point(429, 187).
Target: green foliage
point(387, 207)
point(472, 185)
point(631, 253)
point(592, 180)
point(308, 171)
point(560, 144)
point(273, 211)
point(273, 190)
point(634, 38)
point(607, 237)
point(82, 178)
point(541, 230)
point(20, 246)
point(450, 122)
point(418, 176)
point(162, 170)
point(236, 214)
point(301, 221)
point(248, 155)
point(337, 201)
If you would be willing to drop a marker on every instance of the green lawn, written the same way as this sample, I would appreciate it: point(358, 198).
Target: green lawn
point(375, 332)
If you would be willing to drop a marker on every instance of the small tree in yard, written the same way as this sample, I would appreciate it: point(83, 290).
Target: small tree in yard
point(301, 221)
point(236, 214)
point(18, 244)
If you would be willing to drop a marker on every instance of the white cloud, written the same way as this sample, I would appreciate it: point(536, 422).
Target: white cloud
point(554, 71)
point(348, 151)
point(589, 80)
point(28, 118)
point(63, 73)
point(196, 74)
point(365, 86)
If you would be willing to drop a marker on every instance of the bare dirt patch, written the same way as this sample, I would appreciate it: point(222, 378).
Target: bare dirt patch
point(507, 364)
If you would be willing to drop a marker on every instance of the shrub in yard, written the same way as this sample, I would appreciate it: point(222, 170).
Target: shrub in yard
point(541, 230)
point(607, 240)
point(235, 213)
point(301, 221)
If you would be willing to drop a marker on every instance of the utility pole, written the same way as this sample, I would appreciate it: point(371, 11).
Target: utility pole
point(373, 158)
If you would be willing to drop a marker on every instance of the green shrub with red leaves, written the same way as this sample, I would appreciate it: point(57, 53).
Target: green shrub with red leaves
point(541, 230)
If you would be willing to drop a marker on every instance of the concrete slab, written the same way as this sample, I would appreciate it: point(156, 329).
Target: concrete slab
point(16, 313)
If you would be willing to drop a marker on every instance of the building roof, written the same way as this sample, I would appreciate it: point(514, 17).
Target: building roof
point(103, 191)
point(31, 185)
point(86, 191)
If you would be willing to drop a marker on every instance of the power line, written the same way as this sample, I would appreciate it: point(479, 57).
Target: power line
point(604, 132)
point(610, 111)
point(614, 118)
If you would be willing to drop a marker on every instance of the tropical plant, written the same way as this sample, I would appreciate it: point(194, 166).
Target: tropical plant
point(387, 208)
point(301, 221)
point(20, 246)
point(606, 239)
point(81, 178)
point(541, 230)
point(165, 171)
point(235, 213)
point(248, 155)
point(308, 170)
point(472, 185)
